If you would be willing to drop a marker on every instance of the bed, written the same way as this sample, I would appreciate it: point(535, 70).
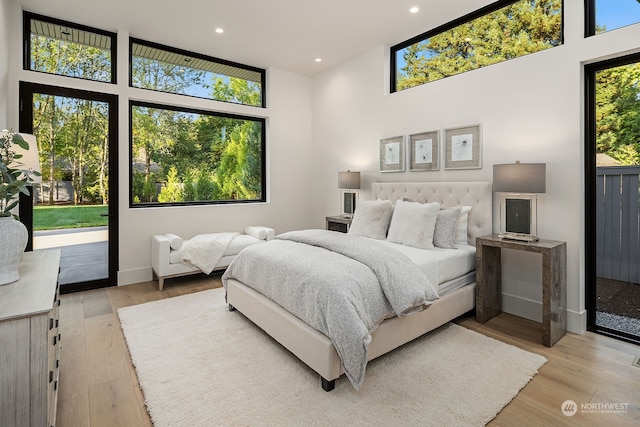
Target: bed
point(315, 348)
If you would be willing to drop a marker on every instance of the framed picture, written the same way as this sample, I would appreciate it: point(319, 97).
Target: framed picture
point(424, 152)
point(463, 148)
point(392, 154)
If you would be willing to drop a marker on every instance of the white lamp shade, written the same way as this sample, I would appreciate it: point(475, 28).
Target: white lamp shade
point(349, 180)
point(519, 178)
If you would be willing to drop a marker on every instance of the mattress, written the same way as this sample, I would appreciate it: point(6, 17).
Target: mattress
point(237, 244)
point(440, 265)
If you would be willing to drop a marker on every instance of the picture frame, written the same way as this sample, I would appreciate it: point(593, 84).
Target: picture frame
point(424, 152)
point(463, 147)
point(392, 158)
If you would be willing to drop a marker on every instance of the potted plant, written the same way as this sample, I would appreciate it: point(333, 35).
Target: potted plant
point(13, 180)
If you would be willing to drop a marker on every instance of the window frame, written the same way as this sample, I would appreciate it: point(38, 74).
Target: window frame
point(263, 159)
point(26, 39)
point(261, 71)
point(590, 171)
point(590, 20)
point(486, 10)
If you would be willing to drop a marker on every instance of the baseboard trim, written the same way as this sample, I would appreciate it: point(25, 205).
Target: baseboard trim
point(129, 277)
point(532, 310)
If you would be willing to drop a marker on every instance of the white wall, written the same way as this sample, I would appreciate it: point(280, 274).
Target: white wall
point(531, 109)
point(288, 115)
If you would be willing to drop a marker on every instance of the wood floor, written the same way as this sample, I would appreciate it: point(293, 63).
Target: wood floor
point(98, 384)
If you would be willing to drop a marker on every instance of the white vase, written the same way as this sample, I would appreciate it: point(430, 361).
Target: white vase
point(13, 241)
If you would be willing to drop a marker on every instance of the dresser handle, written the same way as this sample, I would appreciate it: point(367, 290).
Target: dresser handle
point(57, 322)
point(50, 323)
point(55, 340)
point(50, 376)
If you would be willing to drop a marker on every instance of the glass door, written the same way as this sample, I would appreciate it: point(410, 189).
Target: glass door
point(75, 207)
point(613, 197)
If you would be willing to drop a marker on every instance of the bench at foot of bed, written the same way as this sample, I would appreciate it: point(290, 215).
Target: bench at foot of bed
point(165, 260)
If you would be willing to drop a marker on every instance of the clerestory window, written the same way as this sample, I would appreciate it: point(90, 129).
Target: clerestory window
point(606, 15)
point(498, 32)
point(59, 47)
point(166, 69)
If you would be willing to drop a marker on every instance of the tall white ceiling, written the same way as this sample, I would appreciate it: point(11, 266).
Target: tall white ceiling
point(285, 34)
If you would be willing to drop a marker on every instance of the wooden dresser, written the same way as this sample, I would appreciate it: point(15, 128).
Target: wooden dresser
point(30, 342)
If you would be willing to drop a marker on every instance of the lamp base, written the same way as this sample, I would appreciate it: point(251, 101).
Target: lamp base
point(519, 236)
point(348, 202)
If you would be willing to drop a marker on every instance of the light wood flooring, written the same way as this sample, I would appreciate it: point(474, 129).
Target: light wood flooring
point(98, 384)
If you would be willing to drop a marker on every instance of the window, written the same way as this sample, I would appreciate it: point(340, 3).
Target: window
point(607, 15)
point(171, 70)
point(500, 31)
point(63, 48)
point(184, 157)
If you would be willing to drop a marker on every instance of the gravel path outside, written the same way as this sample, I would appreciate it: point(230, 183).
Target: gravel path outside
point(618, 305)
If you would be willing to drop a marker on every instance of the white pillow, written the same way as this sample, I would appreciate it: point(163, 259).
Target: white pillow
point(175, 242)
point(463, 220)
point(371, 219)
point(413, 224)
point(446, 225)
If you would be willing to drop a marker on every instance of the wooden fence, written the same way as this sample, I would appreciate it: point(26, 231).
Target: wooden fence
point(618, 223)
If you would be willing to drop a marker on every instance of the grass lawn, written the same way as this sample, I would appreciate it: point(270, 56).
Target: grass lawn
point(57, 217)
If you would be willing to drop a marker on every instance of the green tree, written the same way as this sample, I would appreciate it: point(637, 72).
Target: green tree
point(72, 134)
point(206, 189)
point(240, 172)
point(618, 113)
point(172, 190)
point(231, 89)
point(189, 189)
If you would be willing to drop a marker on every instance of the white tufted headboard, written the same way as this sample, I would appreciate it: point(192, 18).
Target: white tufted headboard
point(478, 195)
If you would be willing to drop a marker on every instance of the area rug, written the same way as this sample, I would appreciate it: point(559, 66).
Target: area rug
point(199, 364)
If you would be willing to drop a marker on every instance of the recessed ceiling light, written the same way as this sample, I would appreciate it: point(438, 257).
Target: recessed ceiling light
point(414, 9)
point(318, 59)
point(219, 30)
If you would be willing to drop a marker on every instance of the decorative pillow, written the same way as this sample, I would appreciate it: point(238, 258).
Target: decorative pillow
point(175, 242)
point(461, 230)
point(413, 224)
point(444, 234)
point(371, 219)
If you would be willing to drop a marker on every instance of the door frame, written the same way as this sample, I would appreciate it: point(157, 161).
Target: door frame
point(590, 170)
point(26, 91)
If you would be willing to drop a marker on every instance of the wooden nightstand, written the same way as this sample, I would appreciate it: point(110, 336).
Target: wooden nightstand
point(554, 281)
point(339, 223)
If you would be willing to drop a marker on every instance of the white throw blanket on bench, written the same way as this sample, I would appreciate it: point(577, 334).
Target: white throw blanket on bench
point(205, 250)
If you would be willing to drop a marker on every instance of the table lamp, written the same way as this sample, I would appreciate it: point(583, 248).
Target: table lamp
point(519, 184)
point(349, 185)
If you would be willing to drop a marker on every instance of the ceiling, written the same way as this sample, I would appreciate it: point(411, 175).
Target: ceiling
point(283, 34)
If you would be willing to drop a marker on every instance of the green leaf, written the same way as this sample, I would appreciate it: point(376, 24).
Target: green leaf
point(11, 206)
point(19, 140)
